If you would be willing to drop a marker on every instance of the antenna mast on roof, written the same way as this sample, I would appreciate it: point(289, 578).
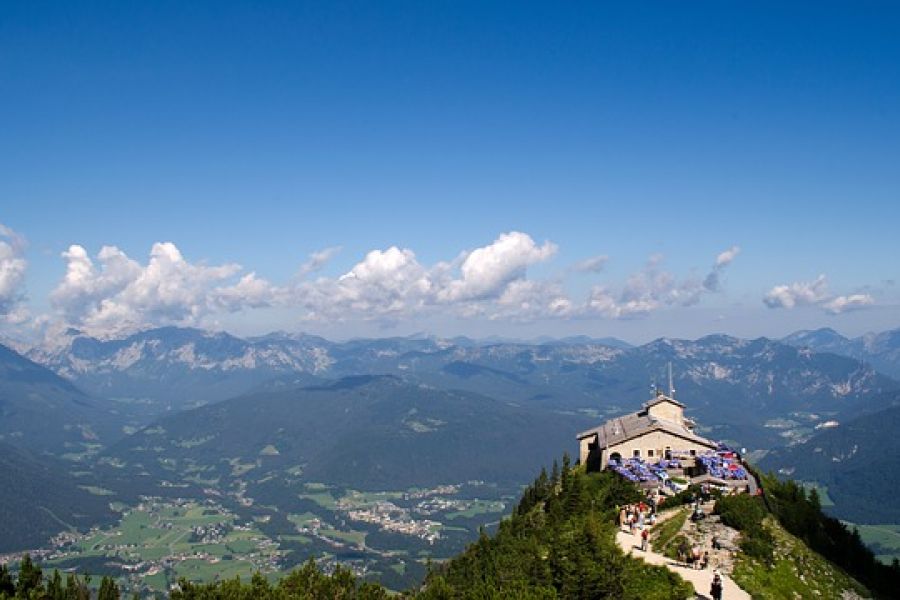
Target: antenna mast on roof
point(671, 385)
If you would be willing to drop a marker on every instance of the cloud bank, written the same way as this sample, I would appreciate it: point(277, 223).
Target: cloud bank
point(815, 293)
point(111, 293)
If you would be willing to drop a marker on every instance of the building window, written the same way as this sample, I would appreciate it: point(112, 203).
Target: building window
point(650, 453)
point(637, 453)
point(693, 453)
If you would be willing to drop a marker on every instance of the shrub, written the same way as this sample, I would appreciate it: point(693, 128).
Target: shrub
point(742, 512)
point(746, 514)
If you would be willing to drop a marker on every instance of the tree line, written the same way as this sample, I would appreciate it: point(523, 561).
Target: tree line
point(31, 584)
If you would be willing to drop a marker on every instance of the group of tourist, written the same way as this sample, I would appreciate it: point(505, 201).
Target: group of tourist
point(693, 556)
point(639, 518)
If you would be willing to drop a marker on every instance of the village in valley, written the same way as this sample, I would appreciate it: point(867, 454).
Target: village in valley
point(160, 540)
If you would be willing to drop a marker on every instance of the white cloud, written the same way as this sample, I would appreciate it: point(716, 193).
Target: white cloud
point(124, 295)
point(387, 284)
point(485, 272)
point(249, 292)
point(815, 293)
point(83, 287)
point(12, 276)
point(594, 264)
point(317, 260)
point(654, 288)
point(385, 281)
point(725, 258)
point(605, 303)
point(713, 282)
point(112, 293)
point(799, 293)
point(842, 304)
point(525, 299)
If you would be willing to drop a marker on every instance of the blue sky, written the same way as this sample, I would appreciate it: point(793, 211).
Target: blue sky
point(258, 135)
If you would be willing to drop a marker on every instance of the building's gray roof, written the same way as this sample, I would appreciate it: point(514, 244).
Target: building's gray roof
point(660, 398)
point(621, 429)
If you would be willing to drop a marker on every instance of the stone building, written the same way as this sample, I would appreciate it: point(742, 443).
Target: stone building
point(658, 430)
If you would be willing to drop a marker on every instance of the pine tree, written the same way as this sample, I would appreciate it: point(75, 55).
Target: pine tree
point(815, 501)
point(108, 589)
point(566, 476)
point(30, 577)
point(77, 588)
point(55, 587)
point(7, 586)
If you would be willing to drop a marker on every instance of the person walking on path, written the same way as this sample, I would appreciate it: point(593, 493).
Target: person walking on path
point(715, 589)
point(683, 552)
point(695, 556)
point(644, 536)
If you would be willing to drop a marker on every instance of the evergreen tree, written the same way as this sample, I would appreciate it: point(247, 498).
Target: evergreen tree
point(814, 500)
point(77, 587)
point(30, 577)
point(565, 476)
point(563, 546)
point(108, 589)
point(55, 589)
point(7, 586)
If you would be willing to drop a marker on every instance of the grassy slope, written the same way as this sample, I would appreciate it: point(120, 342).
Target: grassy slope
point(666, 533)
point(798, 572)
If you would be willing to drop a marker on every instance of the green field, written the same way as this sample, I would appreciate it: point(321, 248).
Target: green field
point(824, 499)
point(97, 491)
point(162, 531)
point(357, 538)
point(302, 520)
point(161, 540)
point(302, 539)
point(886, 539)
point(203, 570)
point(323, 499)
point(478, 507)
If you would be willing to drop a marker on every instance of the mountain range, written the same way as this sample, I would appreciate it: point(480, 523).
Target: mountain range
point(881, 350)
point(735, 387)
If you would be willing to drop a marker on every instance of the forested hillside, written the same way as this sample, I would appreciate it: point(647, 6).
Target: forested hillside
point(367, 432)
point(858, 462)
point(38, 499)
point(559, 543)
point(43, 412)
